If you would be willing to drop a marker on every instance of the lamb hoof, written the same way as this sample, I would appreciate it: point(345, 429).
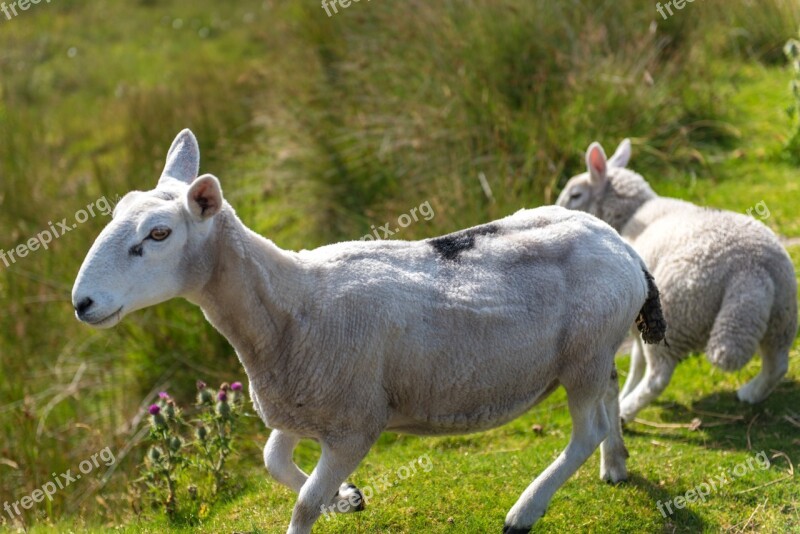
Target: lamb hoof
point(626, 416)
point(749, 395)
point(353, 496)
point(508, 529)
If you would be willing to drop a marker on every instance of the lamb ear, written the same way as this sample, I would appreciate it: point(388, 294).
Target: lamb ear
point(204, 198)
point(622, 156)
point(183, 159)
point(596, 162)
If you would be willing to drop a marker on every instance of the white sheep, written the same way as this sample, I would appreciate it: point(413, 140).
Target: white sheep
point(456, 334)
point(727, 285)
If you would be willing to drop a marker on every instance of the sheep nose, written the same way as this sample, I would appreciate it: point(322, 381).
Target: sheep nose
point(82, 306)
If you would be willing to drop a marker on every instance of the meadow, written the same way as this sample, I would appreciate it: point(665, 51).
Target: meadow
point(322, 129)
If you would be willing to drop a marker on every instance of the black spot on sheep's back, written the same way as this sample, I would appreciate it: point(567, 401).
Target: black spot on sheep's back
point(451, 245)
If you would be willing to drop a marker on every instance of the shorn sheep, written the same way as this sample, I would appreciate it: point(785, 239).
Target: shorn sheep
point(455, 334)
point(727, 285)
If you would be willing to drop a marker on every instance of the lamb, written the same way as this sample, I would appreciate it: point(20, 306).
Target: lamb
point(455, 334)
point(728, 286)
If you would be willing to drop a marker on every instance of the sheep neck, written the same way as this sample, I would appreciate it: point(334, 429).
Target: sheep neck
point(248, 294)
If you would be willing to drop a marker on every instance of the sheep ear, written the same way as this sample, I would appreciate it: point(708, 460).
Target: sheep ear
point(622, 156)
point(183, 159)
point(596, 162)
point(204, 198)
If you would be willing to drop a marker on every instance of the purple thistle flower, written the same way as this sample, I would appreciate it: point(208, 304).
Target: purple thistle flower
point(201, 385)
point(163, 395)
point(236, 386)
point(154, 409)
point(222, 396)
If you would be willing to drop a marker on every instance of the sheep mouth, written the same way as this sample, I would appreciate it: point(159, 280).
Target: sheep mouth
point(107, 319)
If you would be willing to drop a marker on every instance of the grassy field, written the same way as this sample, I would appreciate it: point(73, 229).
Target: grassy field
point(320, 127)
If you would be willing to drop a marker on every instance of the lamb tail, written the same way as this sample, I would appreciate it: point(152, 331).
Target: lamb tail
point(650, 321)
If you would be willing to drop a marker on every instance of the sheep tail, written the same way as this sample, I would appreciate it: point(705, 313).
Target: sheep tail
point(650, 321)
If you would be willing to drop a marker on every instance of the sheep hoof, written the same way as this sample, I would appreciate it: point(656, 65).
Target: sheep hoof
point(508, 529)
point(615, 478)
point(353, 496)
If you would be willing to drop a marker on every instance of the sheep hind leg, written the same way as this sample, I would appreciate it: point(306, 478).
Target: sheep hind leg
point(739, 329)
point(740, 324)
point(661, 362)
point(636, 370)
point(613, 454)
point(774, 365)
point(590, 426)
point(280, 464)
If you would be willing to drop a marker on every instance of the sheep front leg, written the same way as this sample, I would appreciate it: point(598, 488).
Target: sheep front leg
point(338, 460)
point(280, 464)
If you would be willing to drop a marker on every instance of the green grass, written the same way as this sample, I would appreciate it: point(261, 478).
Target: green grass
point(319, 128)
point(755, 170)
point(475, 479)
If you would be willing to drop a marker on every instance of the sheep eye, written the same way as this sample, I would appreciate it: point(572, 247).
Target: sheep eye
point(160, 234)
point(575, 196)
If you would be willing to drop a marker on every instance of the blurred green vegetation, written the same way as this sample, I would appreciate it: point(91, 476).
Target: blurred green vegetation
point(319, 127)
